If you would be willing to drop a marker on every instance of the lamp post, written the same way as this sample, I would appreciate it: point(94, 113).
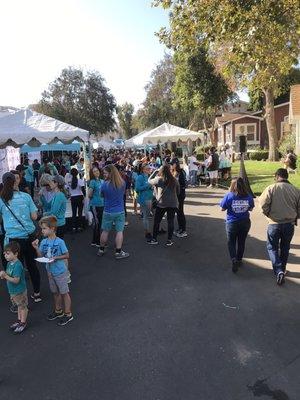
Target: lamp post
point(243, 174)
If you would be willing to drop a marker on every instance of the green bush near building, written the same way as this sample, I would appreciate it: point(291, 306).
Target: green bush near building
point(258, 155)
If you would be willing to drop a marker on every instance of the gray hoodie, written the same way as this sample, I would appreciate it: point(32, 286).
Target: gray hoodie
point(165, 196)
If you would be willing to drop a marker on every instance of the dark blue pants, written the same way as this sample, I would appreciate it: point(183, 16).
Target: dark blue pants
point(237, 233)
point(278, 245)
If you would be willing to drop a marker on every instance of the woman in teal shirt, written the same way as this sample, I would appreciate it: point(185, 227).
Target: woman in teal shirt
point(19, 212)
point(96, 203)
point(144, 197)
point(58, 204)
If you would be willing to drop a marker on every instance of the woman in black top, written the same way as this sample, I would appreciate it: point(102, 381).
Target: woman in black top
point(167, 191)
point(179, 174)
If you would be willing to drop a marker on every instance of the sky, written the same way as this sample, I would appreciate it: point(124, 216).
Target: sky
point(41, 37)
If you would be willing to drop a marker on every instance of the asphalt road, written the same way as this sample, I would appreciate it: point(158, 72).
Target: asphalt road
point(165, 324)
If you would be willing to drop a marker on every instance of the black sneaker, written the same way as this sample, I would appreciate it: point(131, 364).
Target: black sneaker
point(152, 241)
point(65, 319)
point(14, 325)
point(54, 315)
point(101, 252)
point(169, 243)
point(20, 328)
point(235, 266)
point(121, 254)
point(280, 278)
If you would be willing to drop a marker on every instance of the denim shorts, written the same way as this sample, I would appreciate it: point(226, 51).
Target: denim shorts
point(59, 283)
point(110, 219)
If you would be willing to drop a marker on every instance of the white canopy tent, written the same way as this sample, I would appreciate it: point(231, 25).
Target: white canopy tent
point(136, 140)
point(170, 133)
point(29, 127)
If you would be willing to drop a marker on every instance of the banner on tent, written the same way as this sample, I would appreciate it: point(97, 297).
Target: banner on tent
point(13, 157)
point(9, 159)
point(35, 155)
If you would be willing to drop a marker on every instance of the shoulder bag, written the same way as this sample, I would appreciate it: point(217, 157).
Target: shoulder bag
point(31, 236)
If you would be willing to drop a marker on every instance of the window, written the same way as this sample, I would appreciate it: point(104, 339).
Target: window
point(286, 128)
point(246, 129)
point(228, 135)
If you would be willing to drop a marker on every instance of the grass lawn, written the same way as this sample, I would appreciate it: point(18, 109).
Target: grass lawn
point(261, 174)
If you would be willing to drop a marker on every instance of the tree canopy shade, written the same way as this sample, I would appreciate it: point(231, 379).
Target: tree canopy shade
point(80, 99)
point(254, 42)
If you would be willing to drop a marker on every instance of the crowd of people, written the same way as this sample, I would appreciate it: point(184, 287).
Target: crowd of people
point(36, 196)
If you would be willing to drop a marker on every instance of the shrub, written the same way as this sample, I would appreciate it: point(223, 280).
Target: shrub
point(288, 143)
point(200, 156)
point(259, 155)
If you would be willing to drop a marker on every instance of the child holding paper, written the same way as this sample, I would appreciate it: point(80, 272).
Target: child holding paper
point(55, 250)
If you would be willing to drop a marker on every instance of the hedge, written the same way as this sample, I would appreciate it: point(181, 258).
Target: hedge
point(258, 155)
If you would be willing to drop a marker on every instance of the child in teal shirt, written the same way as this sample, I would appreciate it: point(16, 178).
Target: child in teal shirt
point(16, 284)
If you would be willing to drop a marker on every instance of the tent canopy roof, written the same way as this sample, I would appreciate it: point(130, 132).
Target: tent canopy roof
point(136, 140)
point(27, 126)
point(170, 133)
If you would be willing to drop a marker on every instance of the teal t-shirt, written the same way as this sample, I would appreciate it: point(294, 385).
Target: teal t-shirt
point(58, 208)
point(51, 248)
point(29, 177)
point(144, 189)
point(15, 270)
point(22, 206)
point(97, 200)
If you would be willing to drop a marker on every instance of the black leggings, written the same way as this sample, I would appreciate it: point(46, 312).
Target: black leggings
point(159, 213)
point(77, 205)
point(28, 255)
point(180, 214)
point(60, 231)
point(97, 220)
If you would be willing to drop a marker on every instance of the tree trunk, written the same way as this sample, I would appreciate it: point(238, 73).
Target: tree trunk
point(271, 126)
point(211, 128)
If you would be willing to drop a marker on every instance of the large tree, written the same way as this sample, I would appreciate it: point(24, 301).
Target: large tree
point(158, 106)
point(125, 113)
point(199, 88)
point(256, 42)
point(81, 99)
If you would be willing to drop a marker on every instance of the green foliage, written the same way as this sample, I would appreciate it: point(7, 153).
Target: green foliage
point(197, 83)
point(158, 105)
point(125, 113)
point(288, 143)
point(254, 43)
point(198, 87)
point(257, 96)
point(79, 99)
point(258, 155)
point(200, 152)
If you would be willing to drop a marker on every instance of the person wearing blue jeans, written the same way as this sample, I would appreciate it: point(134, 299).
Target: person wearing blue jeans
point(237, 203)
point(144, 197)
point(278, 245)
point(280, 203)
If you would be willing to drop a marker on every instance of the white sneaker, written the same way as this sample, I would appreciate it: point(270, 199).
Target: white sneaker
point(181, 234)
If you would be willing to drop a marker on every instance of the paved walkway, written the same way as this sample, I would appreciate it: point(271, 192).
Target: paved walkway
point(165, 324)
